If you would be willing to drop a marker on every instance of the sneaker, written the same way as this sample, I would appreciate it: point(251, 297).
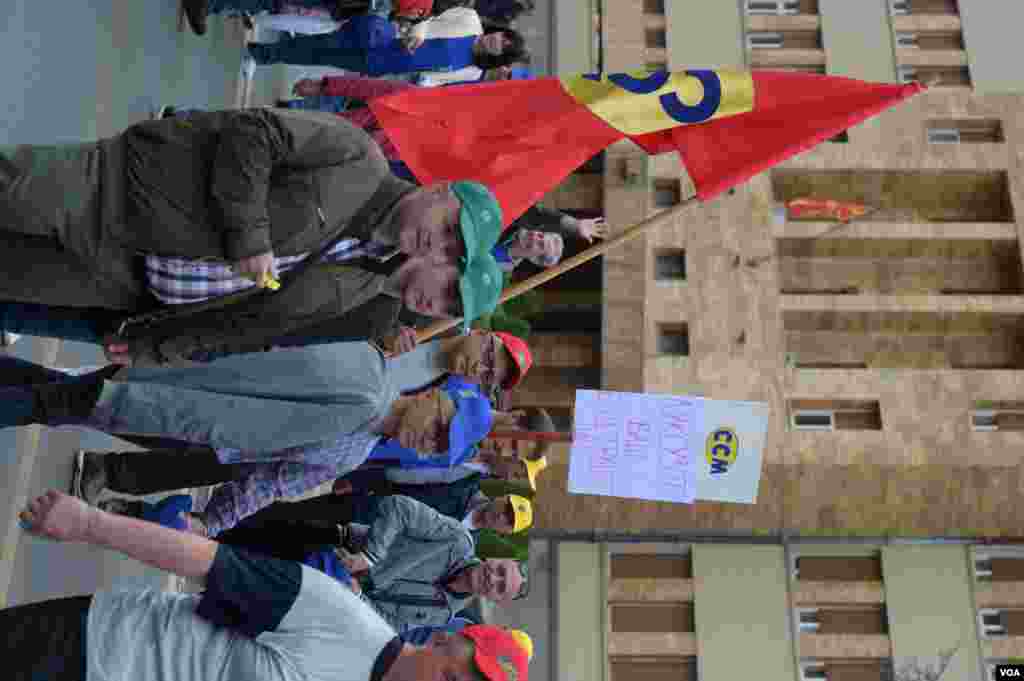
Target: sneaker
point(88, 476)
point(196, 12)
point(8, 339)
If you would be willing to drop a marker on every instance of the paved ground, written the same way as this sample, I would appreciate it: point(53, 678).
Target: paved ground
point(64, 80)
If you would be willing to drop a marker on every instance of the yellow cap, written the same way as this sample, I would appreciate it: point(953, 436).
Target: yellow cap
point(522, 509)
point(533, 468)
point(523, 640)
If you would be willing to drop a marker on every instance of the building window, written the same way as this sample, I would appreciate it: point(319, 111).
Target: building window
point(965, 130)
point(667, 193)
point(654, 6)
point(835, 415)
point(674, 339)
point(935, 76)
point(993, 622)
point(652, 618)
point(899, 8)
point(657, 37)
point(651, 566)
point(808, 619)
point(773, 7)
point(670, 264)
point(763, 39)
point(906, 40)
point(1002, 416)
point(628, 668)
point(983, 568)
point(813, 670)
point(906, 74)
point(998, 568)
point(838, 568)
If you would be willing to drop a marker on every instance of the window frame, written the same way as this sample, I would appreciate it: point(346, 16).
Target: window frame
point(990, 630)
point(936, 135)
point(813, 412)
point(782, 8)
point(987, 413)
point(906, 39)
point(810, 626)
point(815, 667)
point(899, 8)
point(774, 45)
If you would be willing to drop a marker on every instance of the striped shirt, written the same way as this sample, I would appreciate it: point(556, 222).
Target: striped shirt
point(175, 280)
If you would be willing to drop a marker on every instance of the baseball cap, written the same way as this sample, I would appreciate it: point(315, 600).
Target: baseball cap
point(479, 218)
point(521, 73)
point(522, 511)
point(472, 420)
point(410, 6)
point(480, 288)
point(522, 358)
point(533, 468)
point(497, 653)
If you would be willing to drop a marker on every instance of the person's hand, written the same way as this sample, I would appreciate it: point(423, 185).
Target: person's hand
point(592, 228)
point(355, 564)
point(354, 583)
point(342, 487)
point(257, 267)
point(308, 87)
point(402, 342)
point(119, 353)
point(59, 516)
point(412, 42)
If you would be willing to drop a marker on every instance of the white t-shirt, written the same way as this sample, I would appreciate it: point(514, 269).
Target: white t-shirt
point(260, 619)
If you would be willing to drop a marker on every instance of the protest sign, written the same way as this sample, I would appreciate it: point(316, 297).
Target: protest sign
point(667, 447)
point(635, 445)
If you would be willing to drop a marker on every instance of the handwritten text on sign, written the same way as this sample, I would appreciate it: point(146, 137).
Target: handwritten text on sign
point(635, 445)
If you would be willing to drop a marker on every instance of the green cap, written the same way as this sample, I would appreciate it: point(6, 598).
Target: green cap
point(479, 218)
point(480, 285)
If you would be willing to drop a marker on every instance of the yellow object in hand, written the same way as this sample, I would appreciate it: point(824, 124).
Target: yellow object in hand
point(267, 281)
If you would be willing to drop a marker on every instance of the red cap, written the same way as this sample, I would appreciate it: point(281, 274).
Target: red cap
point(521, 357)
point(407, 7)
point(498, 655)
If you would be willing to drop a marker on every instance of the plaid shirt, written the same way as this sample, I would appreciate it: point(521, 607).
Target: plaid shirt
point(282, 474)
point(176, 280)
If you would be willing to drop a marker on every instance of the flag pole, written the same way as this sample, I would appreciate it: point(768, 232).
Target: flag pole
point(533, 436)
point(536, 280)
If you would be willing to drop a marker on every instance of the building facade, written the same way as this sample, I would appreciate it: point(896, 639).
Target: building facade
point(890, 349)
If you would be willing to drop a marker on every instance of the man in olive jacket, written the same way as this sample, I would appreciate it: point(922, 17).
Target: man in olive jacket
point(246, 187)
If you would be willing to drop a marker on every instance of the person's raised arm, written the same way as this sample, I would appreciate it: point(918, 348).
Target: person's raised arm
point(57, 516)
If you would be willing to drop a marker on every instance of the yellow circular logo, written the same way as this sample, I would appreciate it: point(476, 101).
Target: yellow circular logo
point(721, 450)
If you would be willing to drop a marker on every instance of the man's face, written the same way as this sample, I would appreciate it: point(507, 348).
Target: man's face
point(481, 357)
point(498, 515)
point(428, 223)
point(496, 579)
point(494, 44)
point(424, 423)
point(430, 288)
point(445, 657)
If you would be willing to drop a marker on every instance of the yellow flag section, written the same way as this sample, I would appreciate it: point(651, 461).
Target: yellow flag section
point(639, 103)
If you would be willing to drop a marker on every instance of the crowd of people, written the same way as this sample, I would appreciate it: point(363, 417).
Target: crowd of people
point(254, 278)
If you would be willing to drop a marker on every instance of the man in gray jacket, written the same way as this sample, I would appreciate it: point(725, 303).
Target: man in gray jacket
point(416, 566)
point(217, 199)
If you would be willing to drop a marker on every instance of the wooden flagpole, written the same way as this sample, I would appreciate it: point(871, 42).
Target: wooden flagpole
point(536, 280)
point(533, 436)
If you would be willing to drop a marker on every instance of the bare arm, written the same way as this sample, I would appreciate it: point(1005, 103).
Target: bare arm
point(57, 516)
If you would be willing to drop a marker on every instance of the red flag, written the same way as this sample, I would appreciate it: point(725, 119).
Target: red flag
point(522, 138)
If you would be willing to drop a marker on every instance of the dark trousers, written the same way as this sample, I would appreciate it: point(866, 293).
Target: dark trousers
point(31, 393)
point(301, 527)
point(166, 469)
point(45, 641)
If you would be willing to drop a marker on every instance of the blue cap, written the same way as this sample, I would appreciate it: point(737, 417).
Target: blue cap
point(521, 73)
point(472, 421)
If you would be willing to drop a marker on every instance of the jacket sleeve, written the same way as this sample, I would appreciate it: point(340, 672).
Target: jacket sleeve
point(404, 517)
point(325, 300)
point(544, 220)
point(362, 87)
point(458, 22)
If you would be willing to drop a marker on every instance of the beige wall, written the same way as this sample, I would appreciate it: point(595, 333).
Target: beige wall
point(742, 613)
point(581, 606)
point(858, 39)
point(991, 30)
point(573, 48)
point(928, 600)
point(711, 36)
